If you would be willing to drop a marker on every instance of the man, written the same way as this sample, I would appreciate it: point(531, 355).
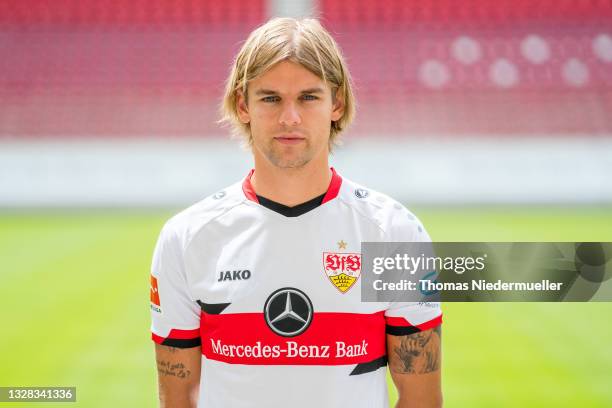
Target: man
point(255, 289)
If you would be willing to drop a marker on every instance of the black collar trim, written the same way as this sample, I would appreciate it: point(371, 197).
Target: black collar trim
point(294, 211)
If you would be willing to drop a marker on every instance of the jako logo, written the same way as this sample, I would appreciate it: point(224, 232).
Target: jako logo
point(234, 275)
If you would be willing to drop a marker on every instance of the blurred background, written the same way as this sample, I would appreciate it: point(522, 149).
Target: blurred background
point(492, 120)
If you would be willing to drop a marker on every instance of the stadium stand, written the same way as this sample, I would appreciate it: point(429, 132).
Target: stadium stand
point(478, 67)
point(117, 68)
point(148, 68)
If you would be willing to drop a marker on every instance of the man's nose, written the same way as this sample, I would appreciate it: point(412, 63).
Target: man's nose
point(289, 115)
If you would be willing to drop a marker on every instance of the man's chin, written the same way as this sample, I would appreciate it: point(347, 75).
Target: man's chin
point(289, 163)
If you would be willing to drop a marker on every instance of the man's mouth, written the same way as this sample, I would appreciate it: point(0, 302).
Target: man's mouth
point(289, 139)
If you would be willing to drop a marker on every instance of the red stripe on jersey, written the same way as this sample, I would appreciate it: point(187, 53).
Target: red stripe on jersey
point(430, 324)
point(331, 339)
point(247, 187)
point(332, 190)
point(334, 187)
point(177, 334)
point(157, 339)
point(402, 322)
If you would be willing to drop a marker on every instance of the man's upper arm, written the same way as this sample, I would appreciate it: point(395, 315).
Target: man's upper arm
point(175, 325)
point(414, 332)
point(175, 315)
point(178, 373)
point(414, 352)
point(414, 362)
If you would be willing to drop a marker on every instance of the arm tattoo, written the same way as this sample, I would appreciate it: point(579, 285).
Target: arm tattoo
point(167, 368)
point(418, 353)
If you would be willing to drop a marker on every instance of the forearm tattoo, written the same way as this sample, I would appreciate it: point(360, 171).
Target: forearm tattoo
point(167, 368)
point(418, 353)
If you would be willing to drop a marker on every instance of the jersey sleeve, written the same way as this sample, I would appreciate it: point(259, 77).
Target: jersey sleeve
point(175, 316)
point(402, 318)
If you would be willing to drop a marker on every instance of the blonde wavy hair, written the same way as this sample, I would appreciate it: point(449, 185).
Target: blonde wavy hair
point(302, 41)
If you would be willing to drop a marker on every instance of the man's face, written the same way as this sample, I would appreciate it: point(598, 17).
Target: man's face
point(290, 111)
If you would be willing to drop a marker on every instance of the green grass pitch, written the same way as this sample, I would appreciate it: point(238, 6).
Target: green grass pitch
point(74, 306)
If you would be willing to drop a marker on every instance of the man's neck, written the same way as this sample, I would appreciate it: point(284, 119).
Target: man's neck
point(291, 187)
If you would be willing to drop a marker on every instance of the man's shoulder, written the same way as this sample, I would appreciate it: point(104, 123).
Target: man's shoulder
point(371, 202)
point(188, 221)
point(389, 214)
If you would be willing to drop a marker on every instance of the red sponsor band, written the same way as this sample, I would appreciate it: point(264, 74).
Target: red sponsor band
point(331, 339)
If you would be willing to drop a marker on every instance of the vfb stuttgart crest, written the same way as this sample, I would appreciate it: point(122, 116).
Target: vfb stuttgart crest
point(343, 270)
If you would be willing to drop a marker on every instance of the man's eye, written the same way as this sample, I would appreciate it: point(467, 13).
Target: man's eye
point(309, 97)
point(270, 99)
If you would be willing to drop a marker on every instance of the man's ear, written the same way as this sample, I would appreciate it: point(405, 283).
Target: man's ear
point(242, 108)
point(338, 105)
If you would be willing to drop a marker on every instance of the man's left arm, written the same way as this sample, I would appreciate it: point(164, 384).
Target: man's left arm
point(415, 361)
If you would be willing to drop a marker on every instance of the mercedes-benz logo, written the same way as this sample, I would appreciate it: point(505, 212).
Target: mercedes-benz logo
point(288, 312)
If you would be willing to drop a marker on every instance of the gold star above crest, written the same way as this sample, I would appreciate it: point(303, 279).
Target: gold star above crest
point(341, 244)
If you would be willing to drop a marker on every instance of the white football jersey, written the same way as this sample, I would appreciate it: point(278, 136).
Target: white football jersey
point(274, 300)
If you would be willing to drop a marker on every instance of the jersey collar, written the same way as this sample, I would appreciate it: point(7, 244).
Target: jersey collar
point(332, 190)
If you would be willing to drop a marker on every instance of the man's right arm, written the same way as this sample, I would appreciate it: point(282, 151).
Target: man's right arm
point(178, 372)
